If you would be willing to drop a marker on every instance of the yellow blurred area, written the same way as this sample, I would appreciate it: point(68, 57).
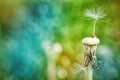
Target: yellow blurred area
point(8, 9)
point(65, 60)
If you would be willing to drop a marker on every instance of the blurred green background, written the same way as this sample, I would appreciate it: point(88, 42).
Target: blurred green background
point(41, 39)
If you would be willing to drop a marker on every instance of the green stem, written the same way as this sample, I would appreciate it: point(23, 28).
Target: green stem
point(94, 26)
point(88, 73)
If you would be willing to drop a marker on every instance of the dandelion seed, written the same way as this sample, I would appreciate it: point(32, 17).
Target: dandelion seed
point(95, 15)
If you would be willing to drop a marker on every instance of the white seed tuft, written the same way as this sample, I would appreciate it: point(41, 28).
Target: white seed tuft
point(95, 14)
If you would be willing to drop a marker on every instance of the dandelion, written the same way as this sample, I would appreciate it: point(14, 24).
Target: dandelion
point(90, 49)
point(52, 50)
point(90, 43)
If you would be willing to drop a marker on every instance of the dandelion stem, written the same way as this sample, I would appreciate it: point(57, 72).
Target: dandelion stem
point(88, 73)
point(94, 26)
